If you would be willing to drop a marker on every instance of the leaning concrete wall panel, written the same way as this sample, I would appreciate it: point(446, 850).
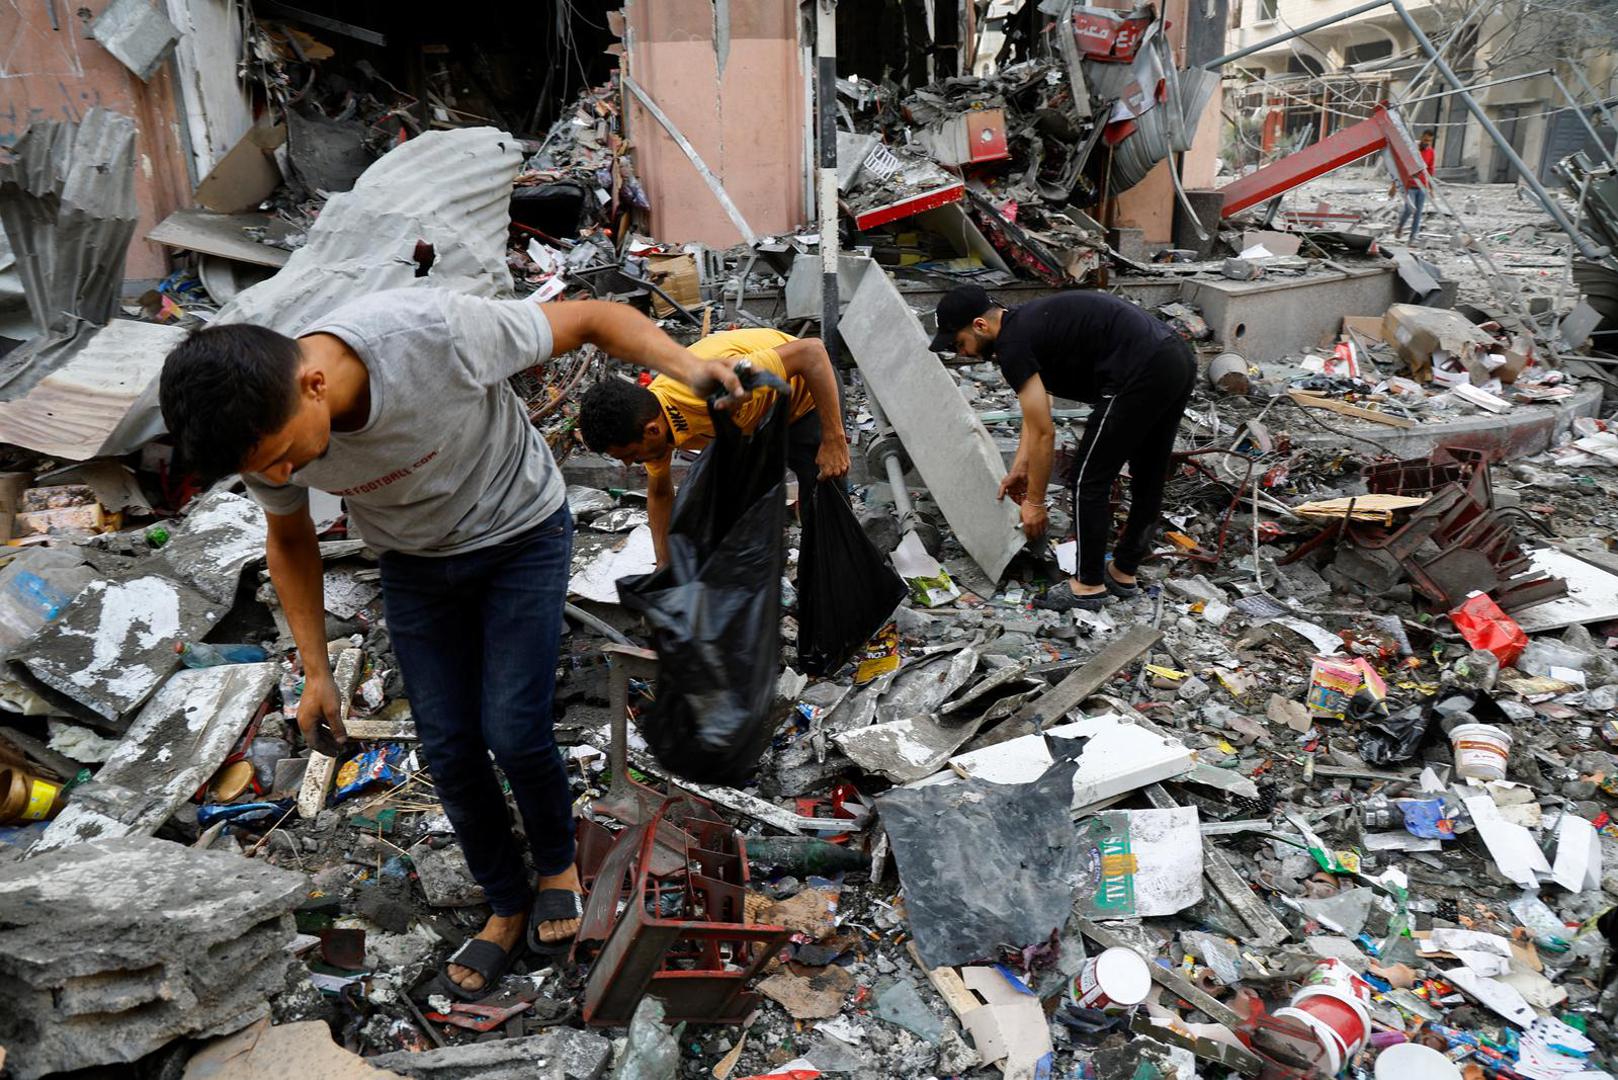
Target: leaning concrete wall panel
point(948, 443)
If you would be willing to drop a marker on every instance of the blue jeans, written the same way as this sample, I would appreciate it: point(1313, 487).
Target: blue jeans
point(1415, 199)
point(477, 637)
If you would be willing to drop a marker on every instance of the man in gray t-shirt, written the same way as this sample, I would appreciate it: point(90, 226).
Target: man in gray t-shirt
point(399, 403)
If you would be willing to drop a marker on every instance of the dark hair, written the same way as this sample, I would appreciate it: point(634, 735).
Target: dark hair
point(615, 412)
point(222, 390)
point(1431, 131)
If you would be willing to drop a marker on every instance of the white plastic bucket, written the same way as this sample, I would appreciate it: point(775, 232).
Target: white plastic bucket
point(1116, 978)
point(1413, 1061)
point(1480, 751)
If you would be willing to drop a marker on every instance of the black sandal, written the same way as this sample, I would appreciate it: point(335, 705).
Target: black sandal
point(1061, 598)
point(553, 905)
point(486, 959)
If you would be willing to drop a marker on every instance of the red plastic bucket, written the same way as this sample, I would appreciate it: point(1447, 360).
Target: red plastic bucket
point(1338, 1018)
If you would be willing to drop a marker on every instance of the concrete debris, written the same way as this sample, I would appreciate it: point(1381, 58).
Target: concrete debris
point(170, 751)
point(558, 1054)
point(1345, 757)
point(114, 947)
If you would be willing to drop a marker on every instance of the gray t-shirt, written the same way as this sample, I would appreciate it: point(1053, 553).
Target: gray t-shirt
point(447, 461)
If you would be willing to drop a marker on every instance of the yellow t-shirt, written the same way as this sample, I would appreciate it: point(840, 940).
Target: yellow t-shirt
point(687, 413)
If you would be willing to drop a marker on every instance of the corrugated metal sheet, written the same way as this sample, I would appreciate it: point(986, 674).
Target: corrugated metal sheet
point(67, 201)
point(449, 188)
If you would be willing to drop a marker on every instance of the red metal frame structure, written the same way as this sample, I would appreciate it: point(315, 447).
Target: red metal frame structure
point(681, 935)
point(1382, 130)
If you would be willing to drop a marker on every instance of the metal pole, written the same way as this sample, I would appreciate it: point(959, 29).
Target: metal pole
point(1590, 129)
point(1546, 199)
point(1295, 32)
point(1601, 103)
point(1475, 86)
point(826, 107)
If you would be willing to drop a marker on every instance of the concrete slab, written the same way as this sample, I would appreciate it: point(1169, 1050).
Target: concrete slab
point(949, 445)
point(115, 642)
point(1524, 431)
point(113, 948)
point(1268, 319)
point(214, 542)
point(170, 750)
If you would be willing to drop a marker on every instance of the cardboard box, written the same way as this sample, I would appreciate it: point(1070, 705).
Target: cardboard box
point(1418, 333)
point(676, 275)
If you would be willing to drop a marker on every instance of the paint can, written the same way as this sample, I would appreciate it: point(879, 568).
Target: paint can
point(1480, 751)
point(1115, 979)
point(1228, 372)
point(1338, 1019)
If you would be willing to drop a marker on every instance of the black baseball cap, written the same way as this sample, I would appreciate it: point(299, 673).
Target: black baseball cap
point(956, 310)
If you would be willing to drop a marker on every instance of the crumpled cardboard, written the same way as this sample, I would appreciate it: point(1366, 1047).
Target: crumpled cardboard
point(1425, 337)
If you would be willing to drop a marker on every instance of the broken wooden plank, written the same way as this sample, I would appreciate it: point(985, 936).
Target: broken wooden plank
point(323, 768)
point(947, 981)
point(382, 728)
point(1166, 977)
point(1066, 695)
point(1342, 408)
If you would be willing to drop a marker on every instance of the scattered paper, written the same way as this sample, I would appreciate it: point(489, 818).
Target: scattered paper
point(1511, 846)
point(1578, 854)
point(1139, 863)
point(1496, 996)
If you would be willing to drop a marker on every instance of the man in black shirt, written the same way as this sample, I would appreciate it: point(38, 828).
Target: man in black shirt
point(1095, 347)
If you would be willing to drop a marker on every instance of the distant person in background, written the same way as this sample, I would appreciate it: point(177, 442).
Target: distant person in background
point(1416, 190)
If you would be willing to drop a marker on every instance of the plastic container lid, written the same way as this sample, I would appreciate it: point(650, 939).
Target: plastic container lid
point(1413, 1061)
point(1123, 975)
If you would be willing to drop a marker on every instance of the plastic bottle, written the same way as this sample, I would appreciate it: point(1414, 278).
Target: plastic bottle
point(264, 753)
point(804, 854)
point(200, 654)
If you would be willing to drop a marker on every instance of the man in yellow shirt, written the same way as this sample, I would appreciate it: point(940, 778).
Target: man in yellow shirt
point(645, 425)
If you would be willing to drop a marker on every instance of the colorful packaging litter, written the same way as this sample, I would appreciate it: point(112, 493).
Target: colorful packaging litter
point(380, 763)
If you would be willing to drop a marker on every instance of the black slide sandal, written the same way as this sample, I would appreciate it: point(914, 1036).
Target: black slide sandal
point(484, 957)
point(553, 905)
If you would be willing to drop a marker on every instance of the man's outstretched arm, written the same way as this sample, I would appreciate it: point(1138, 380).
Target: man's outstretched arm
point(807, 359)
point(624, 333)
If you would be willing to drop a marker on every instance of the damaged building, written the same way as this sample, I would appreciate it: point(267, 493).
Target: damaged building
point(1326, 790)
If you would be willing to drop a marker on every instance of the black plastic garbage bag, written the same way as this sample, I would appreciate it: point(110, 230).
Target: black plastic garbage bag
point(1395, 738)
point(846, 589)
point(715, 607)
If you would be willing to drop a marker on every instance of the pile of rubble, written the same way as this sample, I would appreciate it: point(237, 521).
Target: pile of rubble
point(1334, 793)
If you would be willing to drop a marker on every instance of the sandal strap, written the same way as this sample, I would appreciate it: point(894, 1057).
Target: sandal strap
point(482, 956)
point(557, 905)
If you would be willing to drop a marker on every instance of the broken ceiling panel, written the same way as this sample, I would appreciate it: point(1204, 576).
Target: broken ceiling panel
point(169, 751)
point(137, 34)
point(115, 642)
